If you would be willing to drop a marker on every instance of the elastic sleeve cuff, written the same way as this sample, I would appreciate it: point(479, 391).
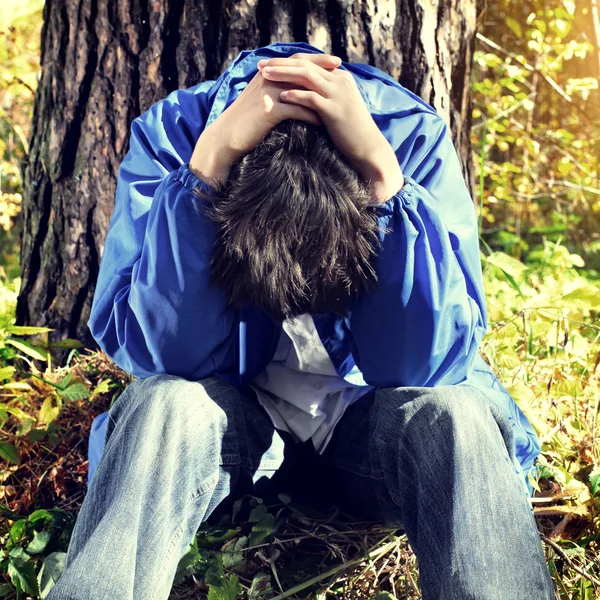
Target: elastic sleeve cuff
point(404, 197)
point(191, 181)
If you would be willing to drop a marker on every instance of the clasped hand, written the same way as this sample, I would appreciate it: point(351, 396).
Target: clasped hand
point(308, 87)
point(333, 94)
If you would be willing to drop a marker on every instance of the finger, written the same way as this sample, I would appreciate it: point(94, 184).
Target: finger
point(306, 98)
point(324, 63)
point(309, 77)
point(320, 59)
point(324, 69)
point(295, 111)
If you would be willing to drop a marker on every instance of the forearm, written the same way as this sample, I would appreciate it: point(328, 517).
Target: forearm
point(384, 173)
point(213, 156)
point(157, 313)
point(423, 324)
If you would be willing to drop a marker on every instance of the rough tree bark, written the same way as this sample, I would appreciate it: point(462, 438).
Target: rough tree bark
point(106, 61)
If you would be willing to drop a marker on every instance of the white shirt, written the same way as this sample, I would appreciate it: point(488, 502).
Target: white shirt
point(300, 389)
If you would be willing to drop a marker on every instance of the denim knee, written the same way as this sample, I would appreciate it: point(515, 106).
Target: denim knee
point(438, 416)
point(161, 393)
point(189, 417)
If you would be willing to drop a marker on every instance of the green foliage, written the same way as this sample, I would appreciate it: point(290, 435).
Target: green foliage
point(536, 127)
point(20, 27)
point(34, 550)
point(18, 358)
point(544, 345)
point(214, 550)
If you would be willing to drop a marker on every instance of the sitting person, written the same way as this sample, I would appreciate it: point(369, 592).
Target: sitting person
point(292, 273)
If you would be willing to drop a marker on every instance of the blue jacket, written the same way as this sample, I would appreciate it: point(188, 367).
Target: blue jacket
point(154, 312)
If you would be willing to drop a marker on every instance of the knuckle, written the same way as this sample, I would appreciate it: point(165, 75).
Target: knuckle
point(315, 99)
point(308, 74)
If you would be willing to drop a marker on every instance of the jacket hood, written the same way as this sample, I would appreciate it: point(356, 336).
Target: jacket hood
point(236, 76)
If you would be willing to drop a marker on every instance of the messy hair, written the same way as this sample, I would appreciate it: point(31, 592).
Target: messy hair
point(296, 230)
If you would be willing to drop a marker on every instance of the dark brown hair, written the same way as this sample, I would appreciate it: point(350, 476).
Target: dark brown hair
point(296, 232)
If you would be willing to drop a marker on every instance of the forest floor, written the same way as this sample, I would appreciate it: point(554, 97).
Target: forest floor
point(280, 551)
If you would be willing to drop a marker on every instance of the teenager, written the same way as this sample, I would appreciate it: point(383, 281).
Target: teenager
point(298, 276)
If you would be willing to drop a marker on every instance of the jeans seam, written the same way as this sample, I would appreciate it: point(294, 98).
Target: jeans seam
point(230, 460)
point(266, 465)
point(175, 537)
point(207, 486)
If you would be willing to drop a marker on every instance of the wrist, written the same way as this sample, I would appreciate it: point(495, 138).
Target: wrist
point(212, 159)
point(384, 176)
point(383, 190)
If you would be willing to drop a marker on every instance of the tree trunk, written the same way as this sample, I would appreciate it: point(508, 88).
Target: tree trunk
point(104, 62)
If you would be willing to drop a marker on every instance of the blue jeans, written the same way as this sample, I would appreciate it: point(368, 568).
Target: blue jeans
point(434, 461)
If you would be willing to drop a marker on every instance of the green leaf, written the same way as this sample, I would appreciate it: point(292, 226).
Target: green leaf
point(587, 294)
point(258, 513)
point(77, 391)
point(103, 387)
point(22, 572)
point(511, 267)
point(263, 529)
point(6, 589)
point(39, 353)
point(214, 573)
point(562, 26)
point(514, 26)
point(25, 426)
point(15, 411)
point(7, 372)
point(9, 452)
point(26, 330)
point(39, 542)
point(228, 589)
point(66, 343)
point(382, 596)
point(264, 524)
point(36, 435)
point(48, 411)
point(65, 381)
point(515, 285)
point(38, 515)
point(595, 481)
point(211, 540)
point(17, 531)
point(187, 563)
point(50, 572)
point(507, 263)
point(232, 552)
point(61, 519)
point(261, 586)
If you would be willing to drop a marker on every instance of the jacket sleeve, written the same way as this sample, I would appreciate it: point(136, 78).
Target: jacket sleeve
point(153, 309)
point(423, 324)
